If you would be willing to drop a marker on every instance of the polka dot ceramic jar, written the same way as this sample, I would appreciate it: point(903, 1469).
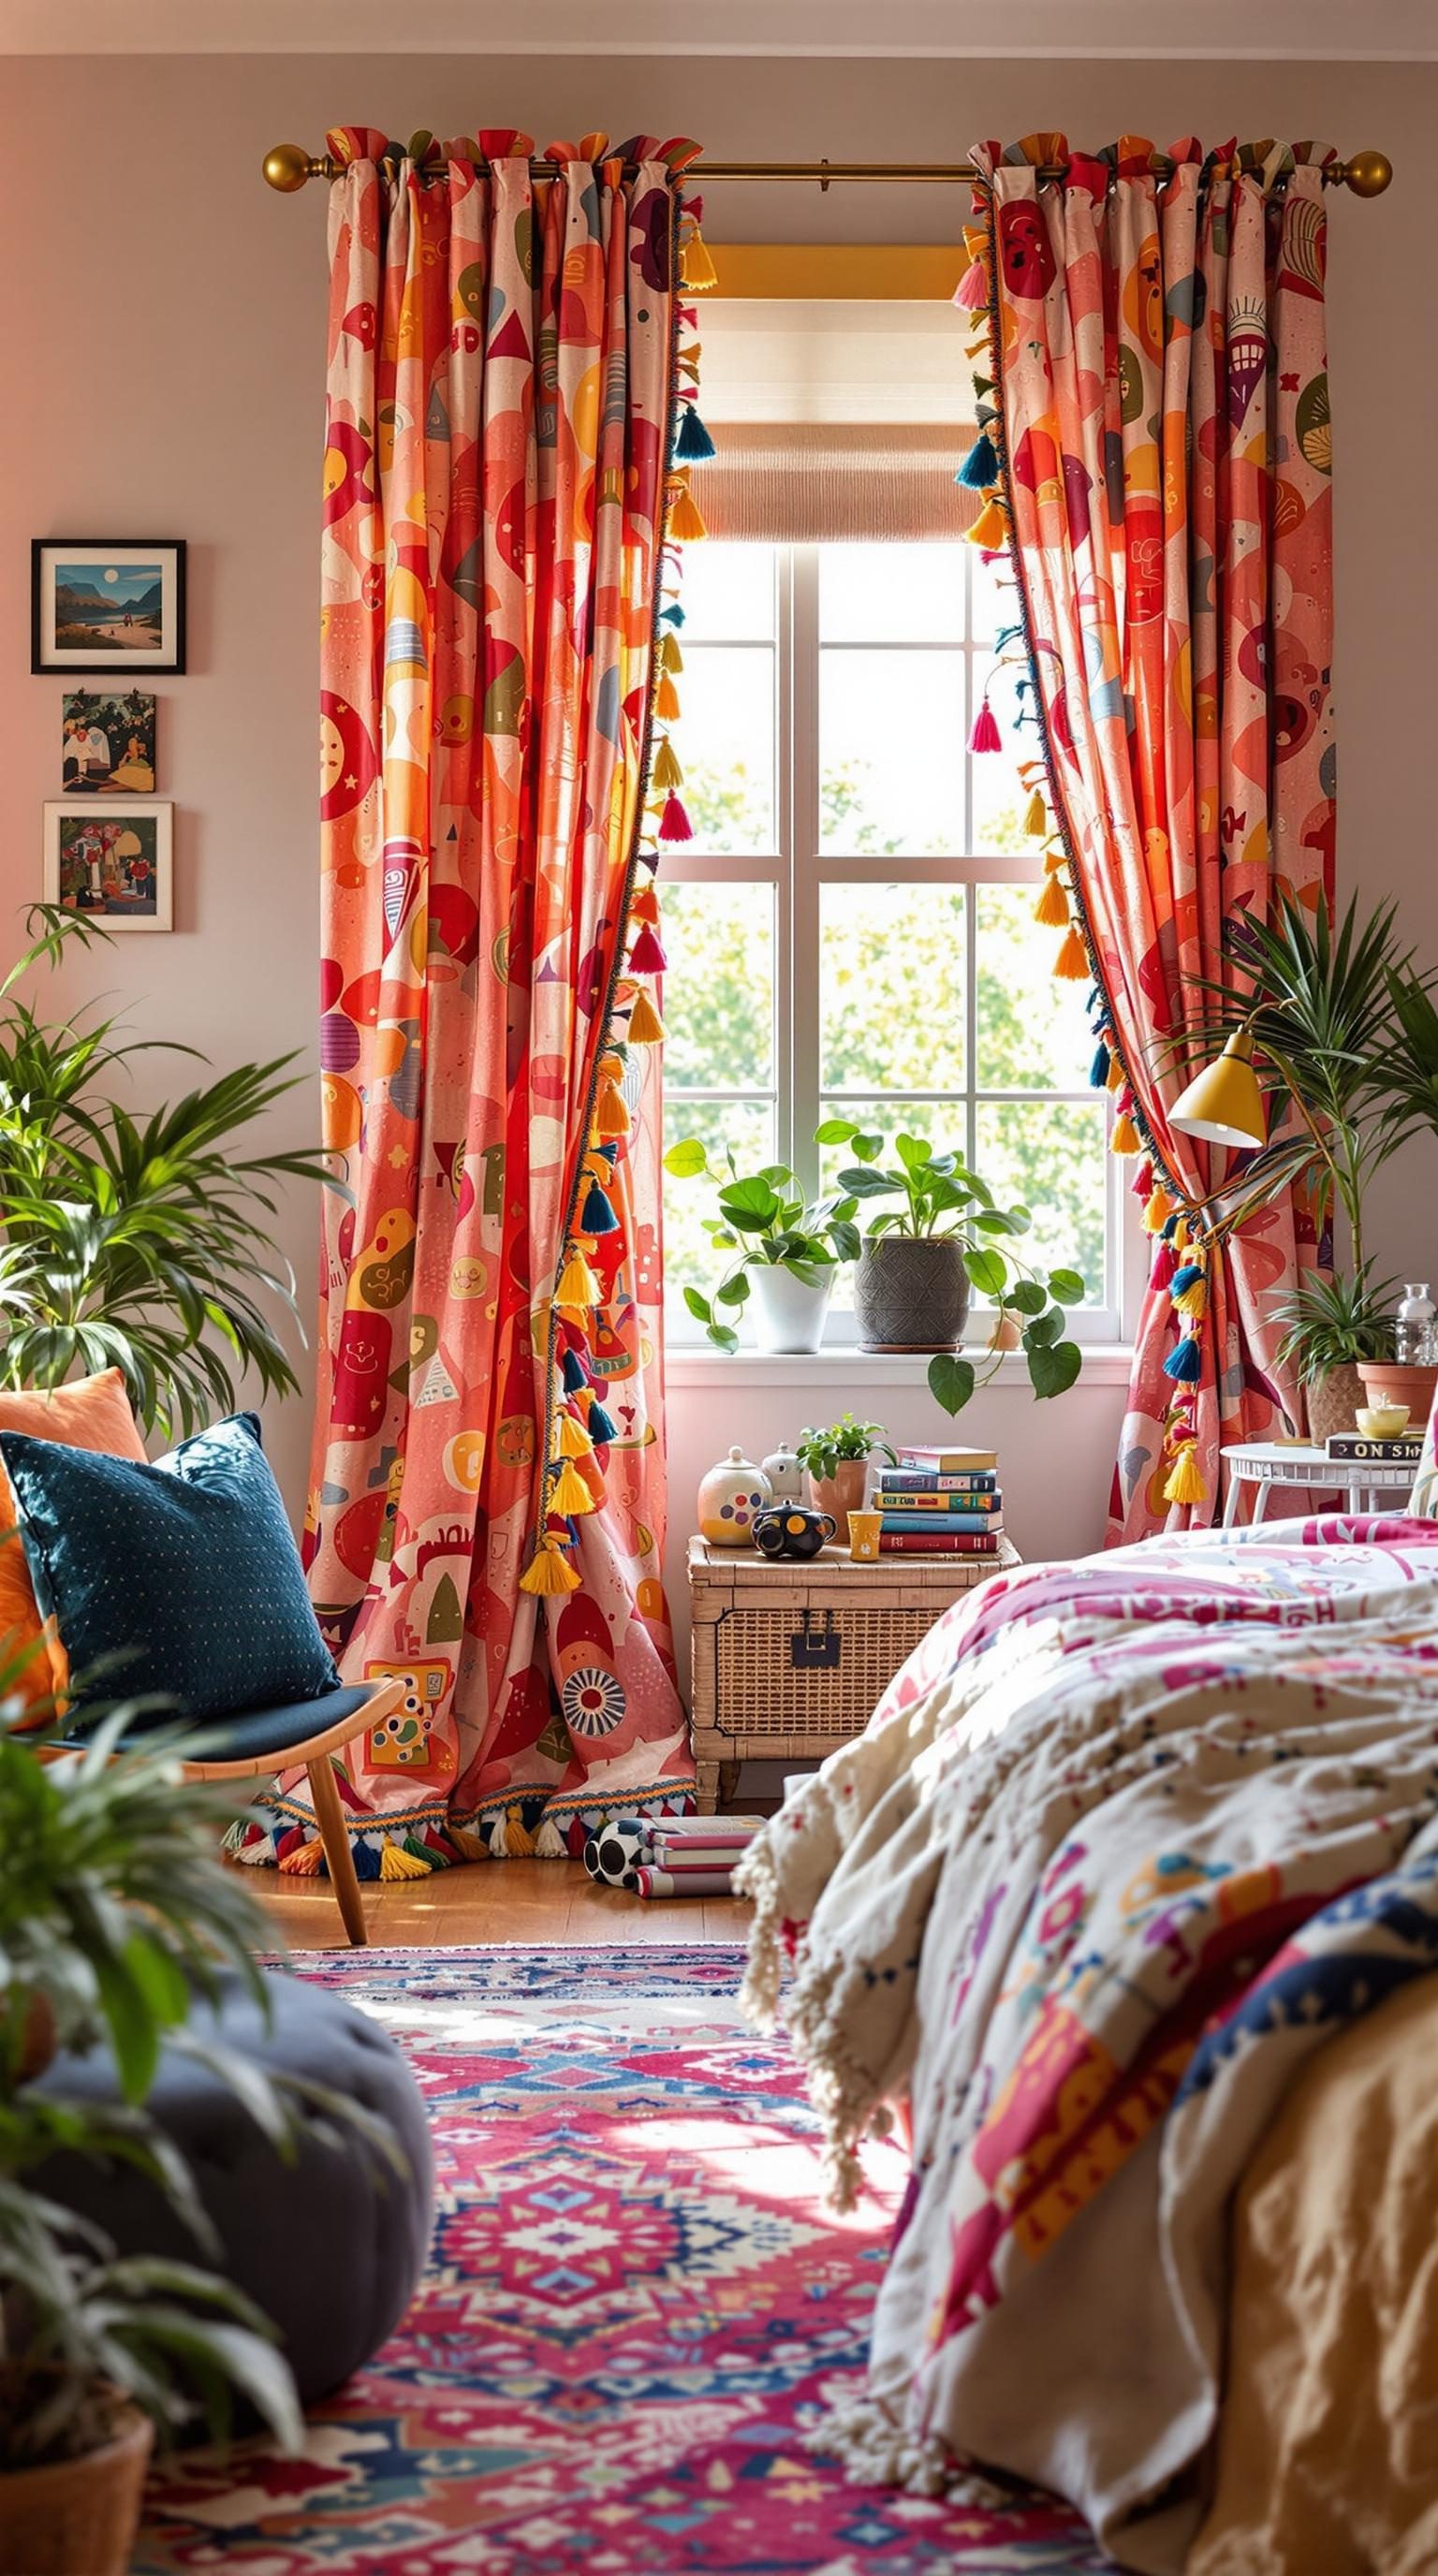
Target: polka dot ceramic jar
point(729, 1497)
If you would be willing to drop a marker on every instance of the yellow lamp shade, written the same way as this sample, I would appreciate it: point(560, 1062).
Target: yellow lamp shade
point(1224, 1104)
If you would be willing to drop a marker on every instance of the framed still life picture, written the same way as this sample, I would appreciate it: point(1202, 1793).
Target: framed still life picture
point(101, 607)
point(114, 861)
point(107, 743)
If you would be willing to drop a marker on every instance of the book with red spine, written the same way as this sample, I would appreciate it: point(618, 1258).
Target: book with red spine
point(941, 1543)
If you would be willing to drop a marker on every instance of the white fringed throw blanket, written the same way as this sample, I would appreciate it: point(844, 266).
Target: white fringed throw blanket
point(1124, 1842)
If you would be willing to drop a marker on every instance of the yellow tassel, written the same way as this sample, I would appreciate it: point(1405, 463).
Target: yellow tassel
point(1036, 817)
point(1158, 1208)
point(666, 699)
point(697, 271)
point(577, 1283)
point(569, 1493)
point(645, 1025)
point(549, 1570)
point(666, 772)
point(470, 1846)
point(1180, 1235)
point(518, 1840)
point(611, 1117)
point(571, 1440)
point(1125, 1137)
point(1071, 963)
point(1193, 1301)
point(1116, 1075)
point(1185, 1481)
point(990, 528)
point(1055, 857)
point(669, 654)
point(396, 1862)
point(1052, 908)
point(685, 522)
point(303, 1861)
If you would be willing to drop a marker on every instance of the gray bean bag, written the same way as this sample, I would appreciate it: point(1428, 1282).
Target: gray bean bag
point(330, 2245)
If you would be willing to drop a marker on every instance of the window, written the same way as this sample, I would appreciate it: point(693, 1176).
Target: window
point(850, 931)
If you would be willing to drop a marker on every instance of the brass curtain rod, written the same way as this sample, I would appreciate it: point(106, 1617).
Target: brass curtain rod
point(289, 166)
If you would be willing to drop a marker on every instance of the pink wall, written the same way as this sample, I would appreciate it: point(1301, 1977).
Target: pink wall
point(165, 320)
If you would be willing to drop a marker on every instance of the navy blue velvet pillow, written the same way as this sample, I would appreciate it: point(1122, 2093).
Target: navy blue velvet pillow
point(187, 1569)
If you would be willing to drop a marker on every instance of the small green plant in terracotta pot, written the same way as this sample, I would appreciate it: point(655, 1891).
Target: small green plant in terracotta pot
point(837, 1459)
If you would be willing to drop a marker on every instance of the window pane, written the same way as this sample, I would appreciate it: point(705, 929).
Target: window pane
point(993, 597)
point(728, 591)
point(891, 753)
point(1033, 1029)
point(1051, 1157)
point(1000, 795)
point(871, 594)
point(891, 987)
point(747, 1128)
point(939, 1122)
point(719, 991)
point(725, 740)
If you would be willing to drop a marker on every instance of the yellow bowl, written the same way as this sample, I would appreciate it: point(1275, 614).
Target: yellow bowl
point(1382, 1421)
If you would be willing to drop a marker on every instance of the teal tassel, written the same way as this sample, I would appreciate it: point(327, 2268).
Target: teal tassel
point(1185, 1363)
point(599, 1427)
point(573, 1372)
point(672, 616)
point(1169, 1228)
point(1098, 1071)
point(693, 443)
point(980, 467)
point(598, 1216)
point(1188, 1277)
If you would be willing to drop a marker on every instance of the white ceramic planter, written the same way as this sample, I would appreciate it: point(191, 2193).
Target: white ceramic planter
point(788, 1311)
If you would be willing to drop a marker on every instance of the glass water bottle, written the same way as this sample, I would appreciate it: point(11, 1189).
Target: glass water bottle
point(1415, 1327)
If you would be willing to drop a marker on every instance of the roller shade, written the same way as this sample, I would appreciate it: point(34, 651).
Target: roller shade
point(810, 483)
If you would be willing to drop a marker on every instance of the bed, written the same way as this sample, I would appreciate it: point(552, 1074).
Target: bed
point(1136, 1856)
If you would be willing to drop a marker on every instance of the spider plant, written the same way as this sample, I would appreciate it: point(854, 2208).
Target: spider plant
point(137, 1242)
point(1329, 1322)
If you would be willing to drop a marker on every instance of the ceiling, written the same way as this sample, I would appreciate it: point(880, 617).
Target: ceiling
point(1370, 31)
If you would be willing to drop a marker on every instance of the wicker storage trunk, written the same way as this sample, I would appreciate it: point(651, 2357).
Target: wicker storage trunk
point(790, 1659)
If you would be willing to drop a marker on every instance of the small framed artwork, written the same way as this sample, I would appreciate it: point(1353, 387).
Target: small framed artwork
point(100, 607)
point(108, 743)
point(114, 862)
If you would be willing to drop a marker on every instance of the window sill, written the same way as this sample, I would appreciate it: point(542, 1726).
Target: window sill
point(690, 1365)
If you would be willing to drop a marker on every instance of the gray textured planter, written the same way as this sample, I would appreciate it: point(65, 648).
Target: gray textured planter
point(911, 1293)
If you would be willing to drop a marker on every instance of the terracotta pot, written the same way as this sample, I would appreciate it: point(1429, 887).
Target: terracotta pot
point(841, 1493)
point(1333, 1402)
point(911, 1293)
point(81, 2513)
point(1385, 1382)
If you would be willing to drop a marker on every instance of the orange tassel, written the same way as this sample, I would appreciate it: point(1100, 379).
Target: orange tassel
point(666, 699)
point(611, 1113)
point(1071, 963)
point(645, 1025)
point(990, 528)
point(1052, 908)
point(685, 524)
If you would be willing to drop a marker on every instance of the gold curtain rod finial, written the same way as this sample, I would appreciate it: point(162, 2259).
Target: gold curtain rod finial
point(1368, 173)
point(287, 167)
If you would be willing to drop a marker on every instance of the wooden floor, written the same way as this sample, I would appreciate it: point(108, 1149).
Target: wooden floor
point(491, 1901)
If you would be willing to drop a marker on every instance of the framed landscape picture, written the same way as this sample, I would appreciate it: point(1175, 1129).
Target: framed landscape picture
point(100, 607)
point(114, 861)
point(107, 742)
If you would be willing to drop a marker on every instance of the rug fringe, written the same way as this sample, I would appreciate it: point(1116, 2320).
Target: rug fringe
point(877, 2452)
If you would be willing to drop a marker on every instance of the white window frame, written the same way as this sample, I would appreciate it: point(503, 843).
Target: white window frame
point(797, 870)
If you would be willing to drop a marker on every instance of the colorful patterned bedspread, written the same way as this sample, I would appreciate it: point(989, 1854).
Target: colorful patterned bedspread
point(1123, 1843)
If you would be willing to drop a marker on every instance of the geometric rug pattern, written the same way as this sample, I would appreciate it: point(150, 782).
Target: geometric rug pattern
point(636, 2303)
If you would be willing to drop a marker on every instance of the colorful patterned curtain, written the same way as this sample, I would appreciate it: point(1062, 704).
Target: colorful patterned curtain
point(1154, 440)
point(506, 378)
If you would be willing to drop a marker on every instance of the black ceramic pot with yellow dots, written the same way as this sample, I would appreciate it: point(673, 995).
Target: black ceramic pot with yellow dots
point(791, 1529)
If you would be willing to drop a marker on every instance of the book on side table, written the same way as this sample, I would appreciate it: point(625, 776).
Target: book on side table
point(1354, 1450)
point(941, 1502)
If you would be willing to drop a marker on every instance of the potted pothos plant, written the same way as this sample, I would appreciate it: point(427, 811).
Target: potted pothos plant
point(115, 1910)
point(921, 1259)
point(836, 1457)
point(786, 1251)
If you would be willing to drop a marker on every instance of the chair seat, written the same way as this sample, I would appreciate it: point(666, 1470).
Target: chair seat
point(256, 1733)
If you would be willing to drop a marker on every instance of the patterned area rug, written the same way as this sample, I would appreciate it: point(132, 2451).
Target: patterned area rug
point(636, 2302)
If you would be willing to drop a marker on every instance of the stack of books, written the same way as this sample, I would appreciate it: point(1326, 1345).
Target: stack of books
point(941, 1502)
point(695, 1855)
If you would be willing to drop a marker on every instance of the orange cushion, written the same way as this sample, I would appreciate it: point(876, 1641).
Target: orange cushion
point(90, 1413)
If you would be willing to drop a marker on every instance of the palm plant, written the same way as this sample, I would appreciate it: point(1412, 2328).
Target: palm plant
point(138, 1243)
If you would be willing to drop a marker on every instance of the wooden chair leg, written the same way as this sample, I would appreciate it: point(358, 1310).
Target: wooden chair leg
point(329, 1816)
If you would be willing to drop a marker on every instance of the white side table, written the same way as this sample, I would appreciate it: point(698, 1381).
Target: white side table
point(1266, 1463)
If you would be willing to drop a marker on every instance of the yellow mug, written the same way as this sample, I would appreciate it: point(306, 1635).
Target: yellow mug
point(864, 1528)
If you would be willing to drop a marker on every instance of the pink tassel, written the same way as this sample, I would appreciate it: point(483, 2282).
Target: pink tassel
point(674, 823)
point(986, 735)
point(972, 292)
point(1142, 1183)
point(646, 957)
